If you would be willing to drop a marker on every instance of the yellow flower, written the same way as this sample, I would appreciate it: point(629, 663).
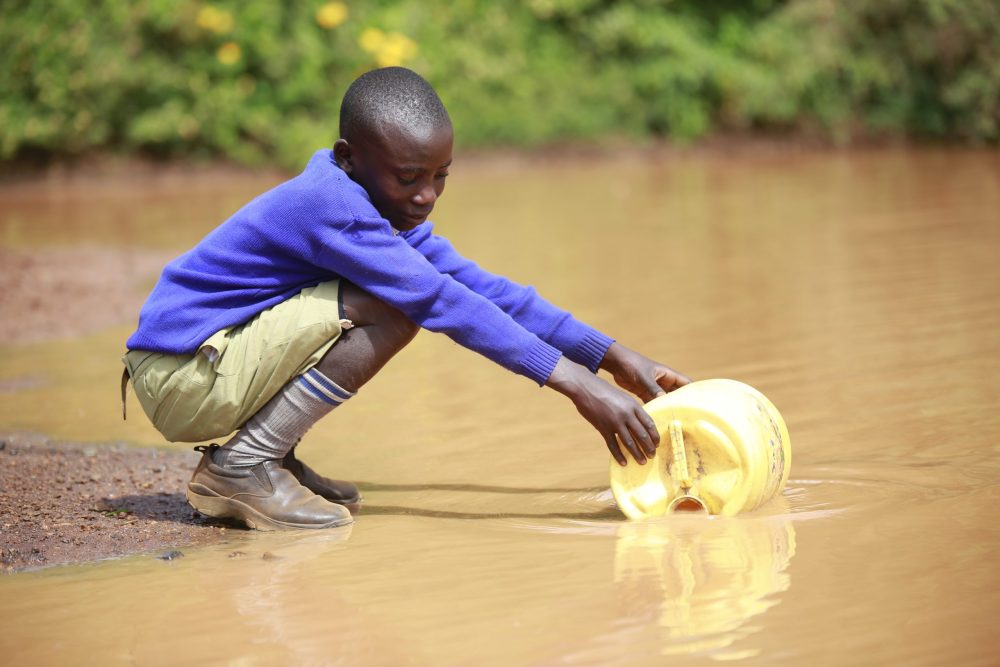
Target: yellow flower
point(218, 21)
point(331, 15)
point(229, 53)
point(389, 49)
point(371, 39)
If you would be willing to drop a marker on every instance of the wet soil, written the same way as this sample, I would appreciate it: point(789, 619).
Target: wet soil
point(69, 503)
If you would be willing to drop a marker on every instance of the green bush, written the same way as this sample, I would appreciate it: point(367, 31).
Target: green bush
point(260, 81)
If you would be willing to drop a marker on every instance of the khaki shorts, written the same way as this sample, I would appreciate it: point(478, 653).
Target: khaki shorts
point(210, 394)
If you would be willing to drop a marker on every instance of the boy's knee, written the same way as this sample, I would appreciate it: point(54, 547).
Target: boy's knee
point(363, 309)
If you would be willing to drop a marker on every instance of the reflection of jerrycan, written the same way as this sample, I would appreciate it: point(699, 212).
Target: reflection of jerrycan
point(723, 448)
point(706, 579)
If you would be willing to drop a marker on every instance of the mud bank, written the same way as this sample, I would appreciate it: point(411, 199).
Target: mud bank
point(64, 503)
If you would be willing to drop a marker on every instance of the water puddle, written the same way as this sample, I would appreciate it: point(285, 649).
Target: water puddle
point(858, 291)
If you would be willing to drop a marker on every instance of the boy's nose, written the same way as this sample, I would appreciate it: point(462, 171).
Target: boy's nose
point(426, 197)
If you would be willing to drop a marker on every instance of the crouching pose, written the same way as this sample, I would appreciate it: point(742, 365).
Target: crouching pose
point(283, 312)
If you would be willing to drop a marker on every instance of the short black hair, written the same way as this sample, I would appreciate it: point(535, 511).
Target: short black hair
point(390, 96)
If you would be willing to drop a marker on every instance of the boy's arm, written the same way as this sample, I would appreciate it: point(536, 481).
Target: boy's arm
point(617, 416)
point(366, 253)
point(440, 303)
point(578, 341)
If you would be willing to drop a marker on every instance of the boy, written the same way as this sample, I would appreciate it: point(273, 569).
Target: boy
point(287, 309)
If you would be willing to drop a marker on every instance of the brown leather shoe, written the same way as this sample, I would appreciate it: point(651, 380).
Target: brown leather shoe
point(334, 490)
point(264, 496)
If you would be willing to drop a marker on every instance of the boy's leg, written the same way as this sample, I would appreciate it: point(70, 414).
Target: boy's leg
point(379, 332)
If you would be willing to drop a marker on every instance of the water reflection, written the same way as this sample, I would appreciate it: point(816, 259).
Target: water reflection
point(268, 595)
point(701, 579)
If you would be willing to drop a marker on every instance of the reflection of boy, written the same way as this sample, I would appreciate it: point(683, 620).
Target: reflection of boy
point(284, 311)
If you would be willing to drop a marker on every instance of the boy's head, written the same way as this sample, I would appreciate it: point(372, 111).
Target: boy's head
point(395, 141)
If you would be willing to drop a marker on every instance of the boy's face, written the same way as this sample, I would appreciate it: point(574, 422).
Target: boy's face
point(402, 170)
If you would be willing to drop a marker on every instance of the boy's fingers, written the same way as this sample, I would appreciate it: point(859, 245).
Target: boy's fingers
point(652, 388)
point(650, 395)
point(626, 439)
point(612, 444)
point(641, 436)
point(649, 425)
point(672, 380)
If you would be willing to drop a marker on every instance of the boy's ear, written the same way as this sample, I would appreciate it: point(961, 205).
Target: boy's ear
point(342, 154)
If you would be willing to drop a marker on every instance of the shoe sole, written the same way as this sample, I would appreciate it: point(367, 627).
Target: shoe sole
point(212, 504)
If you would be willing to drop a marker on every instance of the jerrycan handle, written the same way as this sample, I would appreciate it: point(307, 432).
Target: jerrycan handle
point(680, 471)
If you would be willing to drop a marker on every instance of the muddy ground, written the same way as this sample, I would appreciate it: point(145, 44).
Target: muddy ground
point(69, 503)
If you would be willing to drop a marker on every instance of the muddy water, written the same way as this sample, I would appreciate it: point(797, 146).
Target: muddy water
point(859, 291)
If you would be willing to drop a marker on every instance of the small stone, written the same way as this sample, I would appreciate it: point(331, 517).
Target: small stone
point(237, 554)
point(267, 555)
point(170, 555)
point(90, 451)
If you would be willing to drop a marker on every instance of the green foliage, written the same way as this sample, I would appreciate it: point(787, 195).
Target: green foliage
point(259, 81)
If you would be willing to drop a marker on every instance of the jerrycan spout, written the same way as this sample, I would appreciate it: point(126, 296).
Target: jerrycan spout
point(687, 503)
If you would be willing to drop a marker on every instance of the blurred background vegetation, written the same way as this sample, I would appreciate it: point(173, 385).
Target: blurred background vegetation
point(260, 82)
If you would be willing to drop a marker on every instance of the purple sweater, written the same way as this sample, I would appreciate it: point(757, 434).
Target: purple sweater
point(321, 225)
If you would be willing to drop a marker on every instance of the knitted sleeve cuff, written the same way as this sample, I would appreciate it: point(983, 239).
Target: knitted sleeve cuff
point(590, 350)
point(540, 361)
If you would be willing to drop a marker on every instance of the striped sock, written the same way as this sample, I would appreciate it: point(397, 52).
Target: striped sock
point(281, 423)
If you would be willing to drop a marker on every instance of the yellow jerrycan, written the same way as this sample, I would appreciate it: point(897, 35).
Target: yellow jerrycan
point(724, 449)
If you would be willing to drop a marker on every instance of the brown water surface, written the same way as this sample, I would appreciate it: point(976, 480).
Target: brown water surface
point(859, 291)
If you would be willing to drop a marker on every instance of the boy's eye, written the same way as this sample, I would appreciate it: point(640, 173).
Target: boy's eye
point(405, 180)
point(441, 175)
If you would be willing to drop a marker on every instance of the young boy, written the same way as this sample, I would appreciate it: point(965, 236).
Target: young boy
point(283, 312)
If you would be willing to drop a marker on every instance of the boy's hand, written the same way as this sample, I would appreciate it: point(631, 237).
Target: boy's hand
point(618, 417)
point(641, 375)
